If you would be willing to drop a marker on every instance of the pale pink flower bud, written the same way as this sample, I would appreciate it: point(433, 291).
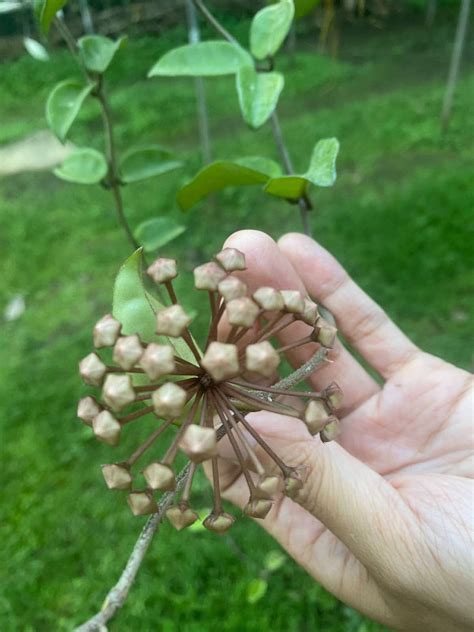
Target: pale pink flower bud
point(231, 259)
point(293, 484)
point(316, 416)
point(333, 395)
point(181, 516)
point(231, 288)
point(127, 351)
point(199, 443)
point(172, 321)
point(160, 476)
point(326, 334)
point(87, 409)
point(331, 430)
point(118, 391)
point(158, 360)
point(294, 302)
point(169, 400)
point(142, 503)
point(106, 428)
point(242, 312)
point(92, 369)
point(163, 270)
point(258, 508)
point(117, 476)
point(268, 486)
point(208, 276)
point(221, 361)
point(261, 358)
point(309, 315)
point(106, 331)
point(219, 523)
point(269, 299)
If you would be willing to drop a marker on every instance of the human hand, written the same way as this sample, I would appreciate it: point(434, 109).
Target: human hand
point(384, 518)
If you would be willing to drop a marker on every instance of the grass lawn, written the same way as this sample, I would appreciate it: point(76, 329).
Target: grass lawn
point(399, 218)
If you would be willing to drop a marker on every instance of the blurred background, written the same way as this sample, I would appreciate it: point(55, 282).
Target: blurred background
point(400, 218)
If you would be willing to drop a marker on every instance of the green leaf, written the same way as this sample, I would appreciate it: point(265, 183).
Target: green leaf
point(84, 166)
point(98, 51)
point(35, 49)
point(63, 105)
point(269, 28)
point(259, 163)
point(48, 11)
point(146, 162)
point(303, 7)
point(288, 187)
point(258, 94)
point(274, 560)
point(204, 59)
point(256, 589)
point(216, 176)
point(157, 232)
point(322, 167)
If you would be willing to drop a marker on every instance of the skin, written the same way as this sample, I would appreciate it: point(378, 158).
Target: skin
point(384, 520)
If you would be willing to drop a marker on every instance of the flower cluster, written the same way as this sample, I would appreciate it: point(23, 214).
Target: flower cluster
point(200, 399)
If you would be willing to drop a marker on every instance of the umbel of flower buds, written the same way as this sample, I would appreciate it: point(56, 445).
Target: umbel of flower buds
point(197, 400)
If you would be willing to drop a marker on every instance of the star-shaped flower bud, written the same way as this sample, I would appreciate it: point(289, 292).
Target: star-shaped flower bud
point(231, 259)
point(293, 300)
point(331, 430)
point(118, 391)
point(87, 409)
point(269, 299)
point(142, 503)
point(106, 331)
point(261, 358)
point(333, 395)
point(199, 443)
point(316, 416)
point(258, 508)
point(163, 270)
point(231, 288)
point(160, 476)
point(169, 400)
point(92, 369)
point(293, 484)
point(172, 321)
point(219, 523)
point(242, 312)
point(127, 351)
point(181, 516)
point(208, 276)
point(117, 476)
point(309, 315)
point(268, 486)
point(158, 360)
point(221, 361)
point(106, 428)
point(326, 334)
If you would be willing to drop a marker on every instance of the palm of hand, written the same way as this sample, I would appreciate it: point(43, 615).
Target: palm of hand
point(384, 522)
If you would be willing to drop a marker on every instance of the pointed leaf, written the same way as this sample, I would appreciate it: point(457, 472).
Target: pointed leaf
point(269, 28)
point(204, 59)
point(49, 9)
point(98, 51)
point(256, 589)
point(214, 177)
point(258, 94)
point(146, 162)
point(157, 232)
point(35, 49)
point(322, 167)
point(84, 166)
point(63, 105)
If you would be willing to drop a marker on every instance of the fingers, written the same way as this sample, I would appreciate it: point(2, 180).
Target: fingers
point(267, 265)
point(362, 322)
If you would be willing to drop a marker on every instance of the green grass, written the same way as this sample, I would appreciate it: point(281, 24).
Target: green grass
point(399, 218)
